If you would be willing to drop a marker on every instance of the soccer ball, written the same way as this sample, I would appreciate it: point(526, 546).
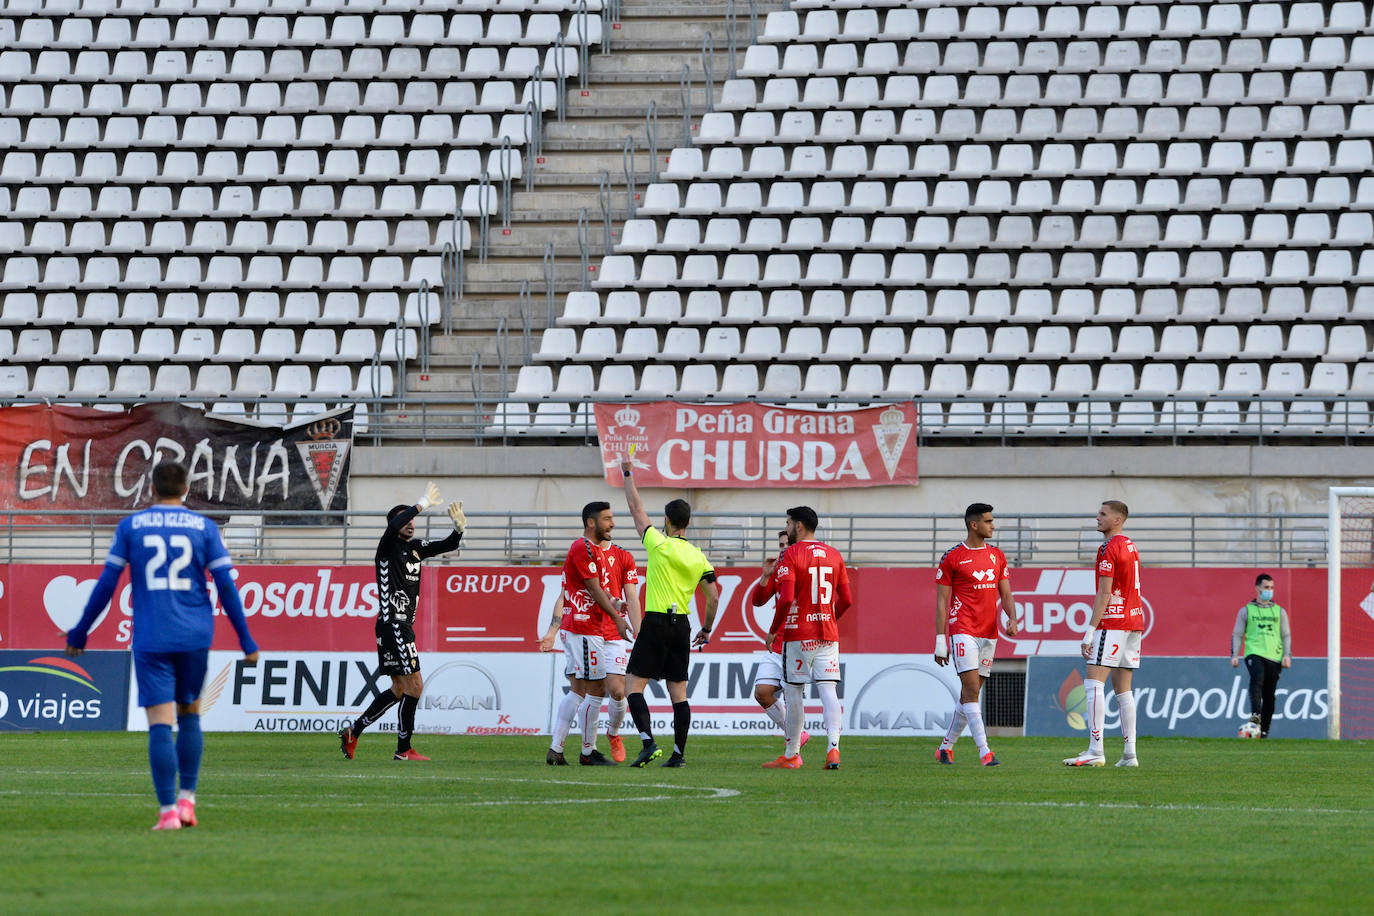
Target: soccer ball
point(1249, 730)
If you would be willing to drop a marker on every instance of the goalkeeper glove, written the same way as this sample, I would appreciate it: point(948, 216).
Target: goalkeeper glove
point(455, 512)
point(430, 499)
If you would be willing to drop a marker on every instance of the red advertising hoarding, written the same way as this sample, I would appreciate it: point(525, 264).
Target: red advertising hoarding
point(1190, 612)
point(755, 445)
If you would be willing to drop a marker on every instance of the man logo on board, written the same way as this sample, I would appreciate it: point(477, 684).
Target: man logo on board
point(907, 698)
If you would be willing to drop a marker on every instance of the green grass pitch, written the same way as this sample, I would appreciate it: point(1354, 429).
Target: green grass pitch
point(288, 825)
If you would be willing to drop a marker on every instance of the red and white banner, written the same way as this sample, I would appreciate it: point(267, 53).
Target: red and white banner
point(755, 445)
point(465, 609)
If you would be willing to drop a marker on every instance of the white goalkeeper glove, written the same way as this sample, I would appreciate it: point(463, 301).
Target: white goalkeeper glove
point(431, 497)
point(941, 646)
point(455, 512)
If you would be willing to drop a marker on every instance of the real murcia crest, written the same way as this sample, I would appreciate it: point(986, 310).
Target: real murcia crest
point(891, 432)
point(324, 455)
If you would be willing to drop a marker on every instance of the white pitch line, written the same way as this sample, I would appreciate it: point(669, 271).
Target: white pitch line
point(1144, 806)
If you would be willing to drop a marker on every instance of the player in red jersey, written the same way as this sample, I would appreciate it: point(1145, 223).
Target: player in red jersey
point(1112, 643)
point(623, 586)
point(586, 578)
point(623, 573)
point(768, 692)
point(813, 593)
point(970, 583)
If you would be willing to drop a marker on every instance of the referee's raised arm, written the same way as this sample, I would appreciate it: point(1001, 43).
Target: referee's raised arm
point(636, 505)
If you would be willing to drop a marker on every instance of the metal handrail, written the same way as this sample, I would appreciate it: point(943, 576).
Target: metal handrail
point(506, 162)
point(685, 89)
point(731, 25)
point(526, 317)
point(651, 131)
point(423, 309)
point(502, 341)
point(740, 539)
point(708, 54)
point(606, 14)
point(550, 268)
point(483, 216)
point(605, 195)
point(398, 344)
point(754, 21)
point(448, 270)
point(583, 54)
point(627, 157)
point(560, 66)
point(582, 232)
point(475, 380)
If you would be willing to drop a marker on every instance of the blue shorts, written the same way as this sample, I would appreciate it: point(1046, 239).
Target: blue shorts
point(166, 677)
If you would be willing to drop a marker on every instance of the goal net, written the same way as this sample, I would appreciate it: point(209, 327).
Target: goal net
point(1350, 612)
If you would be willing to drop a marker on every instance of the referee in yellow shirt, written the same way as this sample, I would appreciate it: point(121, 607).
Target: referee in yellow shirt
point(663, 644)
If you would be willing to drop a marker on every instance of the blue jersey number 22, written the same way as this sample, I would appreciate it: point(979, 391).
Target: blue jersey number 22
point(174, 579)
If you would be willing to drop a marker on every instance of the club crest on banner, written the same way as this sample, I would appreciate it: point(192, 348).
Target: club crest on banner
point(891, 433)
point(624, 434)
point(324, 453)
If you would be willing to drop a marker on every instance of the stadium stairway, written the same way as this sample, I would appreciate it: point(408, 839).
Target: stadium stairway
point(649, 48)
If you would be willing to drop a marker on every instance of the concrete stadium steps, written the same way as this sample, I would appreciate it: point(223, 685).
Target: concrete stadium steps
point(648, 52)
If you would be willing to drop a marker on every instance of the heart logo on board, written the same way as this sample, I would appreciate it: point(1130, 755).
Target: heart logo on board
point(64, 599)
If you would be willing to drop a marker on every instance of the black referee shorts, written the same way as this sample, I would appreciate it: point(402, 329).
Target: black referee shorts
point(662, 647)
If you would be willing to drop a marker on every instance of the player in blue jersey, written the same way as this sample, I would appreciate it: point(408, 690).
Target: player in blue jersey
point(168, 550)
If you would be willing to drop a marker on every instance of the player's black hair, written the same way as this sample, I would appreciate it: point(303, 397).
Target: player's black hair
point(395, 511)
point(782, 533)
point(592, 509)
point(1262, 578)
point(679, 513)
point(804, 516)
point(169, 479)
point(975, 511)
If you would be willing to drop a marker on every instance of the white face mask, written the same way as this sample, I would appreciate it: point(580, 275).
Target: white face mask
point(1266, 594)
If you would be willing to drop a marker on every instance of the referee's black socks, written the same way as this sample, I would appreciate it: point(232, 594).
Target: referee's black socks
point(682, 722)
point(639, 712)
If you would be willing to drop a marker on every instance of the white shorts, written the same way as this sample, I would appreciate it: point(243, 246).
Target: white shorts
point(970, 652)
point(588, 655)
point(806, 660)
point(1115, 648)
point(769, 669)
point(617, 655)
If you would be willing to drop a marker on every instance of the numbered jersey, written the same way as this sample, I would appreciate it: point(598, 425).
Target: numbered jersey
point(814, 585)
point(1118, 561)
point(973, 576)
point(168, 551)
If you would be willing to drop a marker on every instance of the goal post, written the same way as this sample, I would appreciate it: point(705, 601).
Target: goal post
point(1350, 539)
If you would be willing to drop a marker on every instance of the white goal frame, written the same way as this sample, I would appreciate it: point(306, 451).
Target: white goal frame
point(1333, 603)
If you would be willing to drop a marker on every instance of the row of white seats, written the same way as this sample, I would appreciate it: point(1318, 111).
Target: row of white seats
point(1001, 57)
point(878, 125)
point(249, 236)
point(62, 8)
point(179, 309)
point(623, 308)
point(123, 203)
point(906, 268)
point(243, 98)
point(1347, 343)
point(221, 272)
point(1305, 88)
point(1155, 379)
point(1221, 157)
point(849, 233)
point(132, 380)
point(1104, 21)
point(260, 166)
point(198, 345)
point(231, 33)
point(993, 196)
point(1302, 87)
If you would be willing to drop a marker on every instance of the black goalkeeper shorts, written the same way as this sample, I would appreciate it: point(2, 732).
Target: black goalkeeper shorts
point(396, 652)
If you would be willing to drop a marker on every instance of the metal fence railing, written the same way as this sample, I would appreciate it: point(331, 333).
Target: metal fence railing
point(738, 538)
